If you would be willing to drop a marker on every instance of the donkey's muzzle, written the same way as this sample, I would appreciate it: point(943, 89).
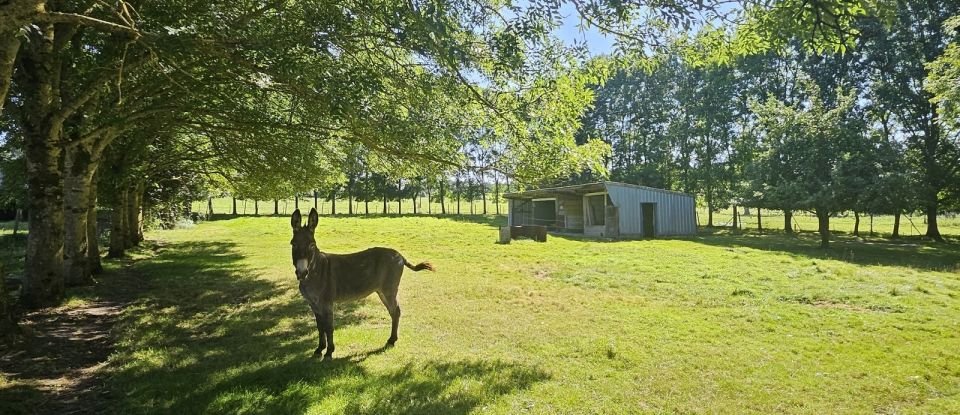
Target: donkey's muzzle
point(303, 268)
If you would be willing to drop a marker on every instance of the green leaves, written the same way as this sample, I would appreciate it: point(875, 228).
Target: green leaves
point(943, 80)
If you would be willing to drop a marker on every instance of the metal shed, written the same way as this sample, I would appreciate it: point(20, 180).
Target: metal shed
point(605, 209)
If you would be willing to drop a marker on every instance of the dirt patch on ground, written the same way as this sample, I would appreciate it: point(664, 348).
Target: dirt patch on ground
point(59, 366)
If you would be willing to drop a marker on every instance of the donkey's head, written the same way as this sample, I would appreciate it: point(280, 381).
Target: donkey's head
point(304, 246)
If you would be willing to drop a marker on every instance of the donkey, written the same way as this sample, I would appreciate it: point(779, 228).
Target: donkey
point(326, 279)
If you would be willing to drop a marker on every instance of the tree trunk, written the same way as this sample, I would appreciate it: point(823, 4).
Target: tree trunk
point(399, 196)
point(234, 213)
point(316, 202)
point(414, 200)
point(471, 199)
point(134, 211)
point(856, 223)
point(9, 45)
point(458, 195)
point(788, 221)
point(896, 225)
point(350, 196)
point(333, 203)
point(43, 282)
point(496, 192)
point(117, 227)
point(93, 236)
point(933, 173)
point(933, 230)
point(384, 201)
point(823, 222)
point(129, 221)
point(483, 194)
point(276, 207)
point(296, 201)
point(759, 221)
point(735, 227)
point(443, 197)
point(78, 178)
point(256, 207)
point(17, 218)
point(709, 216)
point(209, 206)
point(9, 330)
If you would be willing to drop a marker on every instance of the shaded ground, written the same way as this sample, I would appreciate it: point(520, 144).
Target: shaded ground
point(59, 366)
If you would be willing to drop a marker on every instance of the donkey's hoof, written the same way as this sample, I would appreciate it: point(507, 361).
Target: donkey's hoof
point(328, 357)
point(318, 352)
point(390, 342)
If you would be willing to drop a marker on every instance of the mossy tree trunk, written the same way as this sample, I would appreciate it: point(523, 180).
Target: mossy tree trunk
point(79, 168)
point(93, 236)
point(42, 121)
point(117, 226)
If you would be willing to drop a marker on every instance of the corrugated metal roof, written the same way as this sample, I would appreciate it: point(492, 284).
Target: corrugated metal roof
point(583, 188)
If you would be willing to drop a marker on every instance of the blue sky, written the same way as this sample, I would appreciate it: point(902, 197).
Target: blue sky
point(571, 32)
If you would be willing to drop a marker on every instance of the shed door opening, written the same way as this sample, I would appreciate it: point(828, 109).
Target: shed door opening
point(596, 209)
point(545, 212)
point(649, 224)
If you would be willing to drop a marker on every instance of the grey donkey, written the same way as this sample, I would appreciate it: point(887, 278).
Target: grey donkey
point(326, 279)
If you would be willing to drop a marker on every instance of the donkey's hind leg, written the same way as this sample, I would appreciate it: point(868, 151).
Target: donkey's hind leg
point(389, 300)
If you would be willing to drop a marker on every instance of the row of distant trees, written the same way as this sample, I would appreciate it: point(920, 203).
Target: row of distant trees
point(375, 188)
point(861, 130)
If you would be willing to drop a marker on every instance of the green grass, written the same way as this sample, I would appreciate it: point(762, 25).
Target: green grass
point(716, 323)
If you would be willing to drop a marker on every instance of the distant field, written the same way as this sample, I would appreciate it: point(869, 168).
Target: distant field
point(715, 323)
point(910, 225)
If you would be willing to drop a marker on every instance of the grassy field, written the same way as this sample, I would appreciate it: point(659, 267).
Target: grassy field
point(716, 323)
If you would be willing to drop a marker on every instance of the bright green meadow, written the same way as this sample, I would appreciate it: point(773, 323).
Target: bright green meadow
point(716, 323)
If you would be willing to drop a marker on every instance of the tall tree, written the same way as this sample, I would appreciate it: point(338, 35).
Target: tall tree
point(815, 138)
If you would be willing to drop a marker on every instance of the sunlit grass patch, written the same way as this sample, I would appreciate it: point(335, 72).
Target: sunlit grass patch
point(712, 323)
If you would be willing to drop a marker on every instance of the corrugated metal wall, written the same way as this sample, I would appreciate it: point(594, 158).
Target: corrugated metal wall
point(675, 212)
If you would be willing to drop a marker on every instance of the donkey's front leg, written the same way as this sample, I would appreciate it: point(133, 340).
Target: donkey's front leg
point(326, 320)
point(322, 344)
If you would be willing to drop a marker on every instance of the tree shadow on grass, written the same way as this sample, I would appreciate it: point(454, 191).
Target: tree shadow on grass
point(908, 252)
point(211, 337)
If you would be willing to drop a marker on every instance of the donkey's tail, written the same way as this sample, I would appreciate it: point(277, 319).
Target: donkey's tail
point(420, 266)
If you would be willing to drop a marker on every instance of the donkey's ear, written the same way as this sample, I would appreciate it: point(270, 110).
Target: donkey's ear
point(296, 220)
point(313, 219)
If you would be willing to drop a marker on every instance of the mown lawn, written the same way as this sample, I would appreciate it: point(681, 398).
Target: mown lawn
point(716, 323)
